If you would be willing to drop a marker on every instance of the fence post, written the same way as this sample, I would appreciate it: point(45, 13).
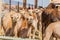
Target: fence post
point(36, 3)
point(9, 5)
point(24, 4)
point(18, 7)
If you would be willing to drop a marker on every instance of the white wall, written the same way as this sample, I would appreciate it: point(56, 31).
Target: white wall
point(56, 1)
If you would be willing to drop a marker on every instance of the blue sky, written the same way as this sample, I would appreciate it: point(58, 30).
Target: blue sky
point(43, 3)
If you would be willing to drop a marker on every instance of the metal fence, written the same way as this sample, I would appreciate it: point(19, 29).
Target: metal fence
point(10, 2)
point(13, 38)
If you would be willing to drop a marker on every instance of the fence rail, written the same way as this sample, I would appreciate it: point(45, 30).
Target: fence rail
point(13, 38)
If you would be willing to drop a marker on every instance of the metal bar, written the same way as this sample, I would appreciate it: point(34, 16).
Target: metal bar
point(15, 38)
point(36, 3)
point(24, 4)
point(18, 7)
point(9, 5)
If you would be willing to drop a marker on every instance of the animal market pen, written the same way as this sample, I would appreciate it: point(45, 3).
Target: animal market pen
point(13, 38)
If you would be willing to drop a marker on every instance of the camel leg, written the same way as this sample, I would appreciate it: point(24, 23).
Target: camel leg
point(49, 32)
point(53, 38)
point(15, 31)
point(34, 34)
point(58, 39)
point(29, 33)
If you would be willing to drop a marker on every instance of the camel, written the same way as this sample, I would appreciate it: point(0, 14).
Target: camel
point(7, 22)
point(21, 25)
point(50, 14)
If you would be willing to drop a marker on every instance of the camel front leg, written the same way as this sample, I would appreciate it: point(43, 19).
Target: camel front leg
point(15, 31)
point(49, 32)
point(58, 38)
